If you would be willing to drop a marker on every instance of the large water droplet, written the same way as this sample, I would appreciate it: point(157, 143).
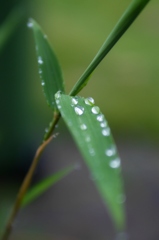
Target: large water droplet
point(100, 117)
point(110, 152)
point(40, 61)
point(106, 132)
point(115, 163)
point(89, 101)
point(58, 94)
point(74, 101)
point(79, 110)
point(95, 110)
point(83, 127)
point(103, 124)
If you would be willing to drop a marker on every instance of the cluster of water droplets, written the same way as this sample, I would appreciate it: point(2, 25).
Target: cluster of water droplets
point(57, 99)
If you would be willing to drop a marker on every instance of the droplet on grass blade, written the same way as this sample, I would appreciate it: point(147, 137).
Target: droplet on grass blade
point(95, 110)
point(83, 127)
point(79, 110)
point(40, 61)
point(89, 101)
point(106, 132)
point(100, 117)
point(115, 163)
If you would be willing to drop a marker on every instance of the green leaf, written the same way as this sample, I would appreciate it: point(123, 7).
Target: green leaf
point(44, 185)
point(131, 13)
point(94, 139)
point(49, 69)
point(10, 24)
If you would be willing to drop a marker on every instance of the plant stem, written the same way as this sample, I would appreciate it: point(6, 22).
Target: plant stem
point(24, 187)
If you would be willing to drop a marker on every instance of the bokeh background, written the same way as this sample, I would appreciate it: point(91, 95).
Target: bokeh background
point(125, 86)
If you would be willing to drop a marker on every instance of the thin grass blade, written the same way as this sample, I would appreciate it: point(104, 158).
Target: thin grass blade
point(94, 139)
point(131, 13)
point(44, 185)
point(49, 68)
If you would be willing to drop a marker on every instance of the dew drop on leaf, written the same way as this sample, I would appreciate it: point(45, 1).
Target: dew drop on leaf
point(74, 101)
point(83, 127)
point(115, 163)
point(88, 139)
point(103, 124)
point(29, 24)
point(91, 151)
point(110, 152)
point(95, 110)
point(40, 61)
point(79, 110)
point(42, 83)
point(58, 94)
point(89, 101)
point(100, 117)
point(106, 132)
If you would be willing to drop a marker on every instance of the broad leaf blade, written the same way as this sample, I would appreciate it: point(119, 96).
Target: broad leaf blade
point(49, 69)
point(93, 137)
point(44, 185)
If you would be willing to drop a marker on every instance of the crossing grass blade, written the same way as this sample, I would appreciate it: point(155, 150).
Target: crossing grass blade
point(49, 69)
point(131, 13)
point(94, 139)
point(44, 185)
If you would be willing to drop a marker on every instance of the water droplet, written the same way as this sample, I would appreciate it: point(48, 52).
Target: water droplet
point(106, 132)
point(57, 101)
point(58, 94)
point(88, 139)
point(42, 83)
point(59, 106)
point(74, 101)
point(45, 36)
point(40, 71)
point(103, 124)
point(89, 101)
point(91, 151)
point(46, 130)
point(40, 61)
point(110, 152)
point(95, 110)
point(83, 127)
point(115, 163)
point(29, 24)
point(100, 117)
point(79, 110)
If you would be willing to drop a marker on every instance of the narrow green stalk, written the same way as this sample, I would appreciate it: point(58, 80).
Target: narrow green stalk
point(122, 25)
point(24, 187)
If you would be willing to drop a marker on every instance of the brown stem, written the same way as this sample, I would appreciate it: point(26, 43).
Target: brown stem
point(27, 180)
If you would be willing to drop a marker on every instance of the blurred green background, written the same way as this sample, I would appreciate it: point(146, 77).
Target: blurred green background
point(125, 86)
